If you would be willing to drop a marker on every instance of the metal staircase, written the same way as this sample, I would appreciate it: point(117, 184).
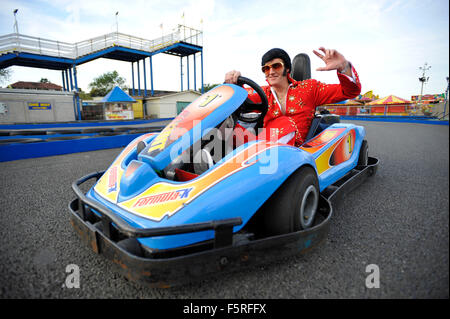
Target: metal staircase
point(23, 50)
point(15, 42)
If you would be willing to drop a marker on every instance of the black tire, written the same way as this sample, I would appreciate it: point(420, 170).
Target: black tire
point(96, 130)
point(66, 138)
point(27, 132)
point(294, 205)
point(363, 158)
point(145, 130)
point(108, 134)
point(63, 131)
point(20, 140)
point(122, 129)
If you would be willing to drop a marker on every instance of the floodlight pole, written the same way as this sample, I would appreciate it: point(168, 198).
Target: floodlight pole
point(423, 79)
point(446, 98)
point(117, 22)
point(16, 26)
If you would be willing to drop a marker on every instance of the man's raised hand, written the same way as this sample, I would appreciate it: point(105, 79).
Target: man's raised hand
point(333, 60)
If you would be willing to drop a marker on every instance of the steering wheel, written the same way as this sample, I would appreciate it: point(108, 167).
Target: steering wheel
point(249, 105)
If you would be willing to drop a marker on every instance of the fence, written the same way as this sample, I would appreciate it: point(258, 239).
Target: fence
point(354, 110)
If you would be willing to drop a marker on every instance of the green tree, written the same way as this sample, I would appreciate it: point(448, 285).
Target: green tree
point(5, 75)
point(83, 95)
point(105, 83)
point(44, 80)
point(208, 86)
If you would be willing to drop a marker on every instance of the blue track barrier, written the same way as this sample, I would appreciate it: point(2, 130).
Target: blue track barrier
point(61, 125)
point(21, 141)
point(398, 119)
point(16, 151)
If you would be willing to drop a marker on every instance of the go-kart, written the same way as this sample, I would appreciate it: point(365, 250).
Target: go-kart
point(200, 198)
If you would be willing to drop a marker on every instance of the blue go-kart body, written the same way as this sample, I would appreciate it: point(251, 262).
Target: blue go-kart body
point(192, 190)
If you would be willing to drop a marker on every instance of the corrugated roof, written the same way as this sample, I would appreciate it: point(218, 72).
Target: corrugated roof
point(36, 86)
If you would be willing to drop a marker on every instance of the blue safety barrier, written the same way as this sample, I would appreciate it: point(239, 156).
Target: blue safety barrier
point(16, 151)
point(399, 119)
point(28, 126)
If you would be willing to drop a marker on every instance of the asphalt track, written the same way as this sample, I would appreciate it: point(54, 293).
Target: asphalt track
point(398, 220)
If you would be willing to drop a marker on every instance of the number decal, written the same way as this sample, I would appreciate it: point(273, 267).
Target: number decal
point(208, 100)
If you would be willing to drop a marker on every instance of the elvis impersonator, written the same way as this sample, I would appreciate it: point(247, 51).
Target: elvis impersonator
point(292, 104)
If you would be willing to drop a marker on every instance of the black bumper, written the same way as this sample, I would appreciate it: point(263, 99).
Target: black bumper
point(225, 253)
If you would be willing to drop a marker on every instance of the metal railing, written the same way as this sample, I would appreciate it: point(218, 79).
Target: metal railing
point(16, 42)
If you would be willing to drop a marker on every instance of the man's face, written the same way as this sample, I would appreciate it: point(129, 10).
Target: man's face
point(274, 74)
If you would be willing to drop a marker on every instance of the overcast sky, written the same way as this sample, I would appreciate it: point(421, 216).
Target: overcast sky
point(387, 41)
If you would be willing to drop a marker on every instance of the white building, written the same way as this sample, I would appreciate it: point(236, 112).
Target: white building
point(36, 106)
point(170, 104)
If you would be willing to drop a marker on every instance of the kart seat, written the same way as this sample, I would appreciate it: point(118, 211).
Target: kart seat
point(301, 67)
point(301, 70)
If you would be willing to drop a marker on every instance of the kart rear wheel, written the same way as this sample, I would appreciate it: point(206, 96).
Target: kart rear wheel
point(363, 159)
point(294, 205)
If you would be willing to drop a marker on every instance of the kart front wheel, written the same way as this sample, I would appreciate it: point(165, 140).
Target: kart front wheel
point(294, 205)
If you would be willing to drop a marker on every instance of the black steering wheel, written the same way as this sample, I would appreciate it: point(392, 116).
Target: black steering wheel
point(249, 105)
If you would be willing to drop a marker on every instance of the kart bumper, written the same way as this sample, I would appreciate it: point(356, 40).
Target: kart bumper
point(224, 254)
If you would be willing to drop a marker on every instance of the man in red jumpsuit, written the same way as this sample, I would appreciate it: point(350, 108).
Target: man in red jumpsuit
point(292, 104)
